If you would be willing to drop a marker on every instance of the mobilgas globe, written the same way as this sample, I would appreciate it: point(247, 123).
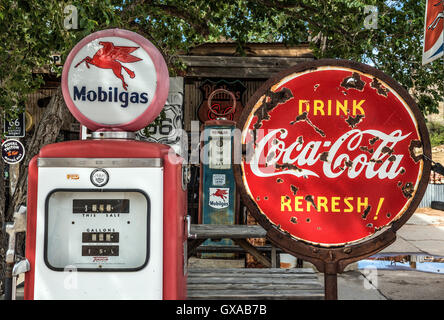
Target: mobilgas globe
point(111, 95)
point(114, 80)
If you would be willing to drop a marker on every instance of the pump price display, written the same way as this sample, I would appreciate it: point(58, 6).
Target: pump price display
point(100, 206)
point(100, 251)
point(92, 230)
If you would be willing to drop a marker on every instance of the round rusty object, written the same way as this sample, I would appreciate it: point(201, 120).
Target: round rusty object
point(335, 171)
point(230, 111)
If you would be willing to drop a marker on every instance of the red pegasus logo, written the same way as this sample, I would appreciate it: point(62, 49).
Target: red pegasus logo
point(221, 194)
point(110, 57)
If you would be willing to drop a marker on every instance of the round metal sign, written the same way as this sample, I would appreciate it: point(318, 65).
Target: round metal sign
point(333, 153)
point(13, 151)
point(115, 80)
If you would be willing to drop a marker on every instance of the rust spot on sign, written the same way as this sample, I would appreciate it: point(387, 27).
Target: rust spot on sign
point(309, 199)
point(373, 140)
point(304, 117)
point(392, 158)
point(353, 122)
point(387, 150)
point(294, 220)
point(287, 166)
point(365, 148)
point(415, 149)
point(279, 180)
point(366, 212)
point(353, 82)
point(380, 89)
point(324, 156)
point(378, 228)
point(293, 189)
point(271, 101)
point(408, 189)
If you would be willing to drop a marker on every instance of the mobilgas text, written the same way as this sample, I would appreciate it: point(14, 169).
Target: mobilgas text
point(110, 95)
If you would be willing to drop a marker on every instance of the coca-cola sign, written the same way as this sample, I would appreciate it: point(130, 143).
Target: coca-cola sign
point(333, 153)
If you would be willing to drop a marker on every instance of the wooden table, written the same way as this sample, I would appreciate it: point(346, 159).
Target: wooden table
point(254, 284)
point(238, 233)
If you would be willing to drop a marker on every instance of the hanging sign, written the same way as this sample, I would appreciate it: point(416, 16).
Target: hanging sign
point(333, 153)
point(433, 31)
point(15, 128)
point(115, 80)
point(13, 151)
point(169, 131)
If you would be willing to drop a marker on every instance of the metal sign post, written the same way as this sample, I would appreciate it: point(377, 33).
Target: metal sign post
point(334, 162)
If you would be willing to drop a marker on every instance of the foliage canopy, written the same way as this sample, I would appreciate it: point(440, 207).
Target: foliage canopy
point(33, 30)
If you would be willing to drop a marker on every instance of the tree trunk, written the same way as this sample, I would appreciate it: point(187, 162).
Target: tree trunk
point(45, 132)
point(3, 237)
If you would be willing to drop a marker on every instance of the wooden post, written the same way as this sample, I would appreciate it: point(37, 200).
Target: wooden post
point(273, 257)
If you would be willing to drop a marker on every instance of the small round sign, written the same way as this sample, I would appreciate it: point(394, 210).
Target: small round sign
point(333, 153)
point(115, 80)
point(99, 177)
point(13, 151)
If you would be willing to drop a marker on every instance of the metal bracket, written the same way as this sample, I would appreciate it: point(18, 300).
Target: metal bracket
point(20, 267)
point(189, 235)
point(12, 228)
point(437, 167)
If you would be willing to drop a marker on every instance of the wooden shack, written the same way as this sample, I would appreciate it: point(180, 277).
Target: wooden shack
point(217, 65)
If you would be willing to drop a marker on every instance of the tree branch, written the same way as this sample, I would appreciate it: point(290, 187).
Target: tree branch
point(179, 12)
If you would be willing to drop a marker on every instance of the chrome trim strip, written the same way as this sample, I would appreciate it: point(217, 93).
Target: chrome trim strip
point(100, 162)
point(113, 135)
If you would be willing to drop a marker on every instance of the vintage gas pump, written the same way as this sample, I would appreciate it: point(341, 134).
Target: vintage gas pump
point(105, 216)
point(218, 187)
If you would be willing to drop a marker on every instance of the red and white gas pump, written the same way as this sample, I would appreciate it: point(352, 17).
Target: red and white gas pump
point(106, 216)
